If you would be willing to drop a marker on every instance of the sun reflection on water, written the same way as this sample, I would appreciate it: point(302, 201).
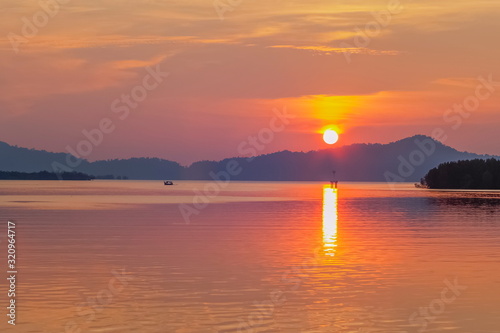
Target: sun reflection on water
point(330, 219)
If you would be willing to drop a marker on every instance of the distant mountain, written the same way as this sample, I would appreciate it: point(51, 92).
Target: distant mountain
point(14, 158)
point(408, 159)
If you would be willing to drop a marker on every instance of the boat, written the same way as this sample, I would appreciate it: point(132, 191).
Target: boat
point(168, 182)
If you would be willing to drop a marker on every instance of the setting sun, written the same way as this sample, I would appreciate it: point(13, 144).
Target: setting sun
point(330, 136)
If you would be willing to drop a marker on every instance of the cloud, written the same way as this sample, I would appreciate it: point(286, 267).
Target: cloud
point(225, 75)
point(325, 50)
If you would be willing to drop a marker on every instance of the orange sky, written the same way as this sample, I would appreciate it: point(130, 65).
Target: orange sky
point(227, 75)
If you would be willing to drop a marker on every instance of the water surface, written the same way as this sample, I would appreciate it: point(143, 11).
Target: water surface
point(118, 256)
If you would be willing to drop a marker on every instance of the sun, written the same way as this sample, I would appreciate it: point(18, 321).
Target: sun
point(330, 136)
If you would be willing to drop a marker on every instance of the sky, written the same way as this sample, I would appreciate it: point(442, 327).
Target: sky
point(376, 71)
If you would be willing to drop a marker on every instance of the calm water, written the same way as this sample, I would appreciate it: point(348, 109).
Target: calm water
point(117, 256)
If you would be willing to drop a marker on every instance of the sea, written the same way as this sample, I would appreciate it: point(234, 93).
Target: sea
point(206, 257)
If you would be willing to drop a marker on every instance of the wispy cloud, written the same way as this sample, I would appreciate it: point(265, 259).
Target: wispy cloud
point(326, 50)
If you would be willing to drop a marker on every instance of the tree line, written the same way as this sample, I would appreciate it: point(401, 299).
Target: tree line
point(467, 174)
point(46, 175)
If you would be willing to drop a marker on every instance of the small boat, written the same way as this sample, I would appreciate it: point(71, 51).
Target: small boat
point(168, 182)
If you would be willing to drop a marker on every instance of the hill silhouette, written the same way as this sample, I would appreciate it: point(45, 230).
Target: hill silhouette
point(408, 160)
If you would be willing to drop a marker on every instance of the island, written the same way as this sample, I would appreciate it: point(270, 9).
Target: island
point(466, 174)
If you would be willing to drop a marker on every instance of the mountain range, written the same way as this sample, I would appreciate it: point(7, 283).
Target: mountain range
point(407, 160)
